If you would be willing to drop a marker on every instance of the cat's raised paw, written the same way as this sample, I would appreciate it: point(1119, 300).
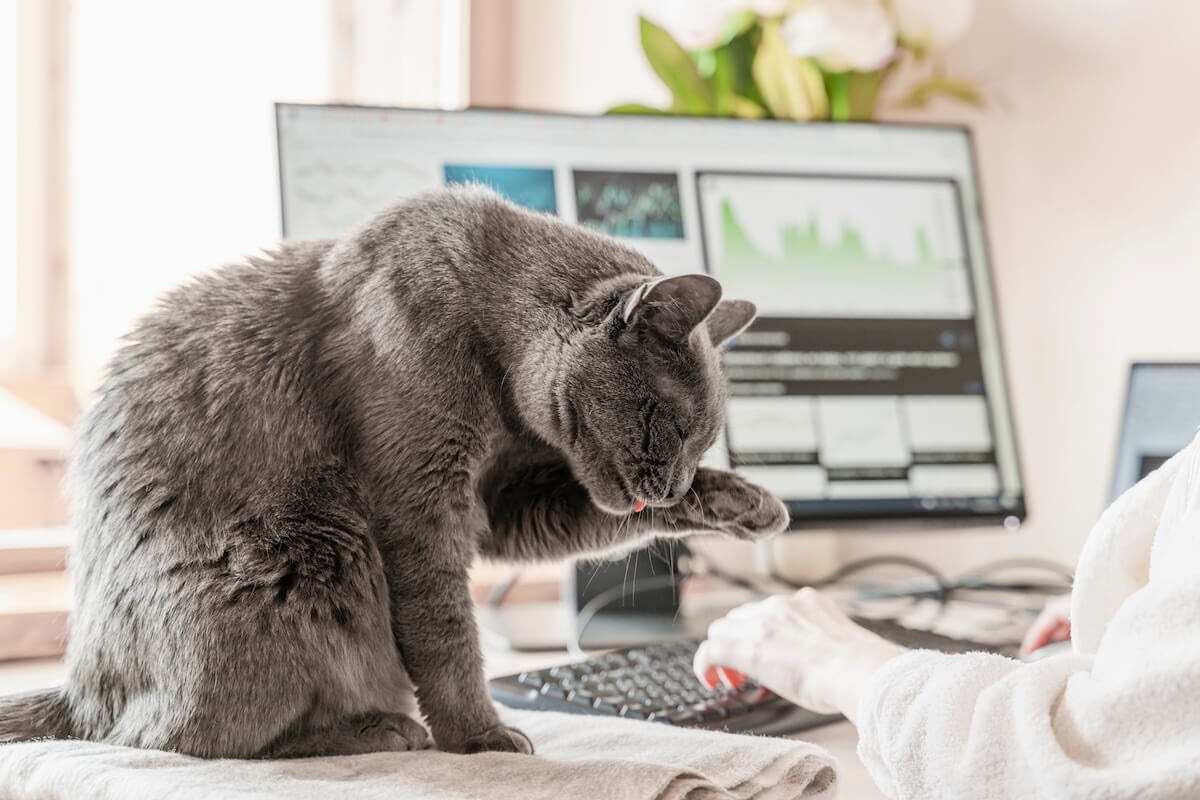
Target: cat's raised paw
point(768, 518)
point(736, 507)
point(501, 739)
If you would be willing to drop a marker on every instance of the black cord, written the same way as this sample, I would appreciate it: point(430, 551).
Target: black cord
point(609, 596)
point(971, 580)
point(613, 593)
point(861, 564)
point(976, 574)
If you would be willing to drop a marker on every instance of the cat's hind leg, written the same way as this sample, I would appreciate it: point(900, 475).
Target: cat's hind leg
point(280, 628)
point(362, 733)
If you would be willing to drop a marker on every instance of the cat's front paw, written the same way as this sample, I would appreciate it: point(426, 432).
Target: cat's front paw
point(732, 505)
point(500, 739)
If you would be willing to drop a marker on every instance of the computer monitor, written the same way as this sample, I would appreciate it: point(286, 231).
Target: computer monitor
point(871, 386)
point(872, 383)
point(1161, 416)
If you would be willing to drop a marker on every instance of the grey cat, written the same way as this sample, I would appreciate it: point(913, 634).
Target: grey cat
point(293, 462)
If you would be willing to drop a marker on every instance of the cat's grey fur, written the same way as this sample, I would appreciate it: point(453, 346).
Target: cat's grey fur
point(293, 462)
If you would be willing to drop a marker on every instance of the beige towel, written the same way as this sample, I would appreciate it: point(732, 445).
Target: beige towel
point(578, 757)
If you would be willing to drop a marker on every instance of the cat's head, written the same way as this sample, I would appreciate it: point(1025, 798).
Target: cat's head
point(638, 393)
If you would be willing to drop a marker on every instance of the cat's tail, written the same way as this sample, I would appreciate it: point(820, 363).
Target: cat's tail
point(42, 714)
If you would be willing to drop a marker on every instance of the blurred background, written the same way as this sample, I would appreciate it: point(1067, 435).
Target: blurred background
point(137, 147)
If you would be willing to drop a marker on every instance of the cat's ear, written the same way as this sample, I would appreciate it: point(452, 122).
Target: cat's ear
point(728, 319)
point(673, 306)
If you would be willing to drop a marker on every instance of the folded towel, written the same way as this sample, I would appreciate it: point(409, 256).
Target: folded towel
point(577, 756)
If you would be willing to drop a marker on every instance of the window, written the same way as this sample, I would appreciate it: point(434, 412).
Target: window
point(8, 181)
point(147, 153)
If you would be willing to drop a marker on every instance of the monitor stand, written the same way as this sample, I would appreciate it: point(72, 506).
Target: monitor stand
point(644, 608)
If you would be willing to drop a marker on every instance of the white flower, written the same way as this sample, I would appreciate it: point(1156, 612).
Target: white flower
point(768, 8)
point(695, 24)
point(842, 35)
point(931, 23)
point(700, 24)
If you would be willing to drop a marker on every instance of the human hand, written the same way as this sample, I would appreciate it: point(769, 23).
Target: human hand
point(1052, 625)
point(802, 647)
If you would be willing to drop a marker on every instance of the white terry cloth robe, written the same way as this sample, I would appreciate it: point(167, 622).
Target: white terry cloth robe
point(1119, 717)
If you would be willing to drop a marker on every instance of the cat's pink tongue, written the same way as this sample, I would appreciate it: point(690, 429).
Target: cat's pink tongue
point(638, 505)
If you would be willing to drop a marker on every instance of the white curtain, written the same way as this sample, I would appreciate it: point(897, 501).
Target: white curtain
point(172, 140)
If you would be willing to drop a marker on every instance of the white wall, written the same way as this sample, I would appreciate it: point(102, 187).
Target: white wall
point(1090, 161)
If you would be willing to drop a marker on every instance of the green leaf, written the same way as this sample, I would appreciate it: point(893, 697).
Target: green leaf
point(723, 78)
point(736, 58)
point(962, 90)
point(791, 87)
point(862, 90)
point(637, 108)
point(673, 65)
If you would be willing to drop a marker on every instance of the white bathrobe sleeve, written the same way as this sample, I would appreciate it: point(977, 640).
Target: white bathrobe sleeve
point(1118, 718)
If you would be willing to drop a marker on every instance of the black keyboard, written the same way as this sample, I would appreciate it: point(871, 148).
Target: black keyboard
point(656, 683)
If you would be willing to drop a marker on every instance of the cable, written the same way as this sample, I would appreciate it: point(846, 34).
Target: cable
point(866, 563)
point(610, 595)
point(975, 575)
point(971, 580)
point(943, 588)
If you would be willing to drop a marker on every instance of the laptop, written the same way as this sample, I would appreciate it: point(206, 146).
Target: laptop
point(1162, 414)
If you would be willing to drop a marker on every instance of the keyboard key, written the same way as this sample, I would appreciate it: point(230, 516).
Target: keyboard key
point(683, 716)
point(756, 697)
point(553, 691)
point(562, 672)
point(608, 705)
point(660, 716)
point(581, 698)
point(531, 678)
point(732, 706)
point(635, 711)
point(708, 713)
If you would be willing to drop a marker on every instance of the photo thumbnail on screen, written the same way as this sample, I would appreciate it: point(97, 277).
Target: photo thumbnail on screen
point(637, 205)
point(531, 187)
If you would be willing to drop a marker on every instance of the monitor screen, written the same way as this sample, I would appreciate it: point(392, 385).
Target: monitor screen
point(1161, 417)
point(872, 383)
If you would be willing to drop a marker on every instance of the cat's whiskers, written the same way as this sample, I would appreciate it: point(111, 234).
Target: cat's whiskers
point(699, 507)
